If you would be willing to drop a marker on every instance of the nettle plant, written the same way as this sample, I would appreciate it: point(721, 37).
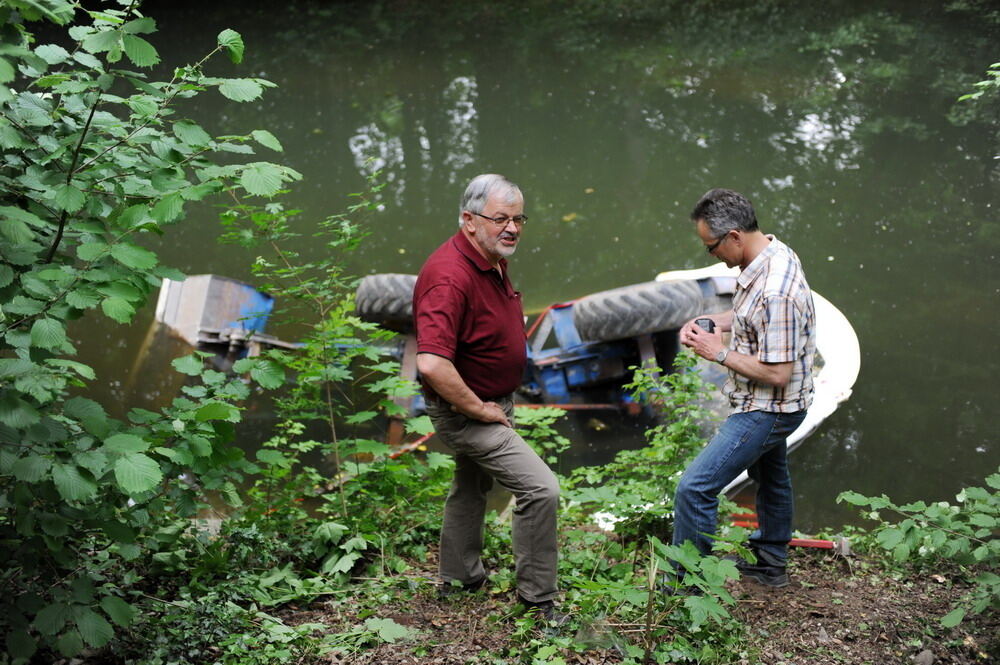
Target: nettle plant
point(93, 156)
point(963, 533)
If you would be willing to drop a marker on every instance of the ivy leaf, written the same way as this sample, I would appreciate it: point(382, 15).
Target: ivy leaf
point(137, 473)
point(133, 256)
point(139, 51)
point(233, 43)
point(71, 484)
point(268, 374)
point(95, 629)
point(266, 139)
point(241, 90)
point(118, 309)
point(120, 612)
point(261, 179)
point(126, 443)
point(48, 334)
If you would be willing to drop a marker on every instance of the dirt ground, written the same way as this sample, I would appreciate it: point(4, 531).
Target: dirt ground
point(836, 610)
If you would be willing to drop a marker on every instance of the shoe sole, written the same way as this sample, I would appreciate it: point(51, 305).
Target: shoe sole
point(775, 582)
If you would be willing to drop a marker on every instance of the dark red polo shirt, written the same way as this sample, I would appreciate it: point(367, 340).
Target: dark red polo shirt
point(466, 312)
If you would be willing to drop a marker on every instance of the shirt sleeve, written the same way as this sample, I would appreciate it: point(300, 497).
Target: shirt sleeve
point(438, 320)
point(781, 333)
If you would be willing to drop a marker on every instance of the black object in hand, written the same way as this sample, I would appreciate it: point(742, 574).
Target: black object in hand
point(705, 324)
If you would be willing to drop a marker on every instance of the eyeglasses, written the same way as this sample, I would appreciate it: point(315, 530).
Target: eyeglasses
point(715, 245)
point(504, 220)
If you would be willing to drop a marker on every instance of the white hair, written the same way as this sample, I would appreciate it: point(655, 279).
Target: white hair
point(481, 187)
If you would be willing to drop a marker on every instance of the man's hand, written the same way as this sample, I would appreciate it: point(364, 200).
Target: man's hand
point(705, 344)
point(490, 412)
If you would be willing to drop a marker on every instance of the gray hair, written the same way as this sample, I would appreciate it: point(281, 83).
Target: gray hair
point(481, 187)
point(724, 210)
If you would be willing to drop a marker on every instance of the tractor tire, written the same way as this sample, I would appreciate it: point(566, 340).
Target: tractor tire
point(386, 299)
point(643, 308)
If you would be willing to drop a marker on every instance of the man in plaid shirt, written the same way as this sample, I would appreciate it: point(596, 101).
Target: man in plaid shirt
point(770, 359)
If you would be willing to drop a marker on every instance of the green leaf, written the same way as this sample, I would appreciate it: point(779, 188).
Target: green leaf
point(89, 251)
point(421, 425)
point(118, 309)
point(16, 413)
point(31, 468)
point(120, 612)
point(437, 460)
point(169, 208)
point(20, 645)
point(266, 139)
point(95, 629)
point(241, 90)
point(191, 365)
point(137, 473)
point(233, 43)
point(342, 564)
point(71, 484)
point(261, 179)
point(387, 629)
point(82, 299)
point(68, 197)
point(84, 371)
point(51, 619)
point(14, 229)
point(140, 26)
point(126, 443)
point(48, 334)
point(244, 365)
point(953, 618)
point(52, 53)
point(6, 71)
point(99, 42)
point(133, 256)
point(192, 134)
point(218, 411)
point(70, 643)
point(139, 51)
point(268, 374)
point(200, 446)
point(6, 275)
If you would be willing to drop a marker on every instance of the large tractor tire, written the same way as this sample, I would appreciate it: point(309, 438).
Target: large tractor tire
point(387, 299)
point(643, 308)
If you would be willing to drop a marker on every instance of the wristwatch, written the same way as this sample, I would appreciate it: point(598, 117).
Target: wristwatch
point(720, 357)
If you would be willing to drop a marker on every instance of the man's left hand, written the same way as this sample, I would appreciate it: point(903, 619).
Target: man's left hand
point(705, 344)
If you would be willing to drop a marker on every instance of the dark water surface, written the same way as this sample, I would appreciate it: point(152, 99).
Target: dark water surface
point(835, 122)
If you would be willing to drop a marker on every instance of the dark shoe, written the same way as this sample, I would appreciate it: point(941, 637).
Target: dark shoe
point(763, 571)
point(545, 609)
point(447, 589)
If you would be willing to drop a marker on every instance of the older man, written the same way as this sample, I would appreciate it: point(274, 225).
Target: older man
point(770, 386)
point(471, 354)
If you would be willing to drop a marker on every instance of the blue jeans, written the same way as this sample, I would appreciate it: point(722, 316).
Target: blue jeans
point(753, 441)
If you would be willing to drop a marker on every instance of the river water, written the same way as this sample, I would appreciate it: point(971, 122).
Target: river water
point(837, 123)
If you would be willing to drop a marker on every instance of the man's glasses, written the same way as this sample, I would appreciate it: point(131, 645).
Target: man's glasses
point(715, 245)
point(504, 220)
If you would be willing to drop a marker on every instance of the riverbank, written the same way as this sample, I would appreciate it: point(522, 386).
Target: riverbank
point(852, 611)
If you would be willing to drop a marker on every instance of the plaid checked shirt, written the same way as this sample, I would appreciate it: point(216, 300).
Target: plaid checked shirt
point(774, 321)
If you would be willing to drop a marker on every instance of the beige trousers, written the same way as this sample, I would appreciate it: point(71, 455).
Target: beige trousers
point(484, 453)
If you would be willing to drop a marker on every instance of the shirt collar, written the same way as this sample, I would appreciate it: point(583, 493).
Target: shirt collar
point(756, 267)
point(464, 245)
